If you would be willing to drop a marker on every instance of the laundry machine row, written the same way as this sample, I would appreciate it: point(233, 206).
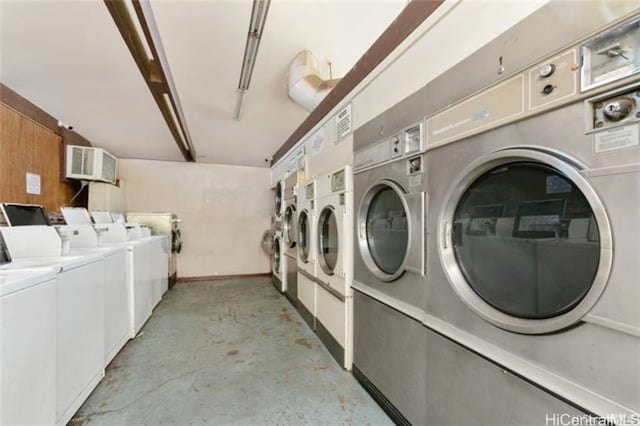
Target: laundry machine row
point(93, 287)
point(495, 272)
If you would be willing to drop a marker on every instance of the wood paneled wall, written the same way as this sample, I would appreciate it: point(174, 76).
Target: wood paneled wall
point(26, 146)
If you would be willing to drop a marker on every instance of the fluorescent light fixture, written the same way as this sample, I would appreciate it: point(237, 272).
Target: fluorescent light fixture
point(238, 108)
point(259, 12)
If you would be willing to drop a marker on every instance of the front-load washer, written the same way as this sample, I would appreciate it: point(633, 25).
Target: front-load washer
point(28, 346)
point(306, 246)
point(290, 237)
point(79, 311)
point(534, 265)
point(334, 272)
point(389, 269)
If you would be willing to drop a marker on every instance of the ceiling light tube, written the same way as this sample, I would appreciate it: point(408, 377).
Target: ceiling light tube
point(259, 12)
point(238, 108)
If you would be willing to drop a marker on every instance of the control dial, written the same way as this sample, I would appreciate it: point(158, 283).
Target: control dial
point(547, 70)
point(618, 109)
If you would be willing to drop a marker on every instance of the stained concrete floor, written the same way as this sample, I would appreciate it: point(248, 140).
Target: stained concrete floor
point(231, 352)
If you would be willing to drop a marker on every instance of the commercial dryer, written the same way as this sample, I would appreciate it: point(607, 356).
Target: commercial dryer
point(307, 264)
point(389, 269)
point(290, 235)
point(334, 272)
point(534, 262)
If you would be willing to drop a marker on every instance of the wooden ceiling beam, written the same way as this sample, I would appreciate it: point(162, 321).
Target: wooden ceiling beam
point(155, 70)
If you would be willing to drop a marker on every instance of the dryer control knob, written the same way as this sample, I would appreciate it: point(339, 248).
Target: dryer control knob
point(618, 109)
point(547, 70)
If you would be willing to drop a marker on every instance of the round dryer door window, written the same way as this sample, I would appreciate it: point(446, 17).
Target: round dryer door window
point(384, 216)
point(276, 255)
point(278, 200)
point(328, 240)
point(526, 240)
point(289, 226)
point(303, 236)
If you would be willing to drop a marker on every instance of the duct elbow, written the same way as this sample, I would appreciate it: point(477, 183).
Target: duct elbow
point(306, 87)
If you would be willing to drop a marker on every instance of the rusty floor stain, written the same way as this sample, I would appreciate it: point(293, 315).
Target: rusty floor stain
point(232, 352)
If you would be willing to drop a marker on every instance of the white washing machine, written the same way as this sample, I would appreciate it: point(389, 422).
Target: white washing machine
point(28, 346)
point(140, 281)
point(334, 272)
point(116, 291)
point(306, 246)
point(79, 308)
point(534, 265)
point(146, 278)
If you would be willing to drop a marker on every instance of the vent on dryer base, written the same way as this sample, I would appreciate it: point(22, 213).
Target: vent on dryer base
point(91, 164)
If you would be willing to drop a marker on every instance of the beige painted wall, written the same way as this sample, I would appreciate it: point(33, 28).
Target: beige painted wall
point(225, 210)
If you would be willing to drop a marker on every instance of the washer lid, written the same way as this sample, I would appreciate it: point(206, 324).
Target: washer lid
point(12, 280)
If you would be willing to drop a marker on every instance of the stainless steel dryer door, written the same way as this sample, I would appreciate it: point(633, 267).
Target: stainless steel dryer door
point(290, 236)
point(304, 236)
point(525, 241)
point(391, 230)
point(276, 256)
point(278, 198)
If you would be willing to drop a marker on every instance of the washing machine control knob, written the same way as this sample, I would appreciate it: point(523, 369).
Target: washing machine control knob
point(547, 70)
point(618, 109)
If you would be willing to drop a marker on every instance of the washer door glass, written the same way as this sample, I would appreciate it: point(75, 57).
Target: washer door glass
point(387, 230)
point(526, 240)
point(328, 241)
point(289, 225)
point(303, 236)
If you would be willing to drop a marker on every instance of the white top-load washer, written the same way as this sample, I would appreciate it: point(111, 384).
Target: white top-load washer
point(28, 346)
point(334, 245)
point(79, 330)
point(139, 264)
point(116, 291)
point(159, 250)
point(307, 252)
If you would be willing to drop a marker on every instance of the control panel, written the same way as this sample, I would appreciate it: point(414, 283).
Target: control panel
point(337, 181)
point(553, 80)
point(309, 191)
point(614, 119)
point(407, 142)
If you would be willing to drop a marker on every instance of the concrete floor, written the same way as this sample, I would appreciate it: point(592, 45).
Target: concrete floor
point(227, 352)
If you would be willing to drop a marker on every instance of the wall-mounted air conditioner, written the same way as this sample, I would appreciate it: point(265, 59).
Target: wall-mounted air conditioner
point(91, 164)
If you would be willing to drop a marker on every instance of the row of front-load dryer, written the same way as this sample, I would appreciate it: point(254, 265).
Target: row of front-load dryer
point(70, 298)
point(494, 277)
point(313, 256)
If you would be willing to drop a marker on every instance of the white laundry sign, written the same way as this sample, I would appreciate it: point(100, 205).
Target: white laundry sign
point(33, 183)
point(343, 123)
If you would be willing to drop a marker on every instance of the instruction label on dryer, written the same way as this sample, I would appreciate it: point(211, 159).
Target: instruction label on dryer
point(616, 138)
point(343, 123)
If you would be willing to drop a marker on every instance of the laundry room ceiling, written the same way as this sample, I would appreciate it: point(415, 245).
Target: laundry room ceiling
point(69, 59)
